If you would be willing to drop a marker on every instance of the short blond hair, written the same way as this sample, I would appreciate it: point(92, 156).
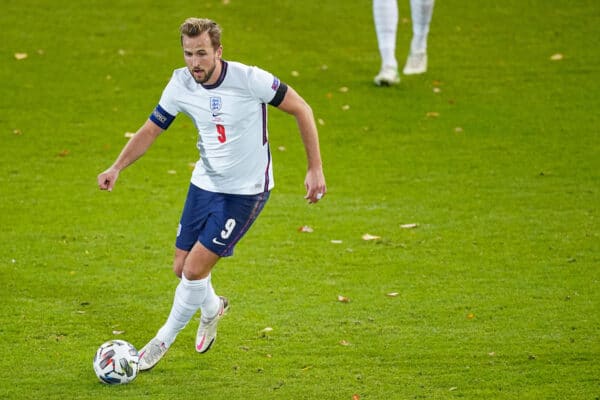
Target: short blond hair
point(193, 27)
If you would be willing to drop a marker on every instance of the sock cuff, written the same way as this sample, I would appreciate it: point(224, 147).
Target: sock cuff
point(195, 283)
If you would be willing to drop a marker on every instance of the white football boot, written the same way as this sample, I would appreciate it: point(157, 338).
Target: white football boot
point(387, 76)
point(415, 64)
point(151, 354)
point(207, 331)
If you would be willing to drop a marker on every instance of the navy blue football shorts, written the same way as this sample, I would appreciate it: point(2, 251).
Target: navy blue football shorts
point(217, 220)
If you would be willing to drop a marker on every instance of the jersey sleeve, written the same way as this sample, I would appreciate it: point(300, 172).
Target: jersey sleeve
point(167, 108)
point(266, 86)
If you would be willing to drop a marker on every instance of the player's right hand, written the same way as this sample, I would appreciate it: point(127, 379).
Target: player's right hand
point(107, 179)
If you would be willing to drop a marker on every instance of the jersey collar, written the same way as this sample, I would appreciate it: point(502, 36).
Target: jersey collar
point(221, 77)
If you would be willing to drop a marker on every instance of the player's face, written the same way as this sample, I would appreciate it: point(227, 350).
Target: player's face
point(203, 61)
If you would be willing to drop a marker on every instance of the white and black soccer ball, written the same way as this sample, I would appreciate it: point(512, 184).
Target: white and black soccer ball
point(116, 362)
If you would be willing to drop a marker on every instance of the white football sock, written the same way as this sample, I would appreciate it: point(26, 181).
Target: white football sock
point(385, 15)
point(189, 296)
point(212, 302)
point(421, 12)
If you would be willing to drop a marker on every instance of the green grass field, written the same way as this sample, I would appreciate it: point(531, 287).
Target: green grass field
point(498, 293)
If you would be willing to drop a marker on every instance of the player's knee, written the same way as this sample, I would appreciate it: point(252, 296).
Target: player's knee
point(177, 271)
point(179, 261)
point(178, 267)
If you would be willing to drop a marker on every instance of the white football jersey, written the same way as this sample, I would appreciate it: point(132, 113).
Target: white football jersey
point(231, 119)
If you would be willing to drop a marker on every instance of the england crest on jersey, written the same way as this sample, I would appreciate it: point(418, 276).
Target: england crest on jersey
point(215, 105)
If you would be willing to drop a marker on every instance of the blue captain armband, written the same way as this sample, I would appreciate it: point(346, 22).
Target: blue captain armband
point(161, 118)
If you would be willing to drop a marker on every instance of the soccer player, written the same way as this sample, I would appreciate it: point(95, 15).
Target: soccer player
point(231, 182)
point(385, 15)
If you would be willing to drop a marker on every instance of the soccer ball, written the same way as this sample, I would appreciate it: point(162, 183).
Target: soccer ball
point(116, 362)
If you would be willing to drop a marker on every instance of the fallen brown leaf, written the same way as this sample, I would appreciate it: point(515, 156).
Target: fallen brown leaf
point(343, 299)
point(408, 226)
point(368, 236)
point(265, 332)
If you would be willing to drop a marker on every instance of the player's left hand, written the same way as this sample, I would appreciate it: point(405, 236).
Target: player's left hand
point(315, 185)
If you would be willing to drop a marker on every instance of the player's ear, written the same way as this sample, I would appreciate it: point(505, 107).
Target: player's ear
point(219, 52)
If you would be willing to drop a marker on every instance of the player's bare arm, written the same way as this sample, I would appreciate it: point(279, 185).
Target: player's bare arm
point(294, 104)
point(134, 149)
